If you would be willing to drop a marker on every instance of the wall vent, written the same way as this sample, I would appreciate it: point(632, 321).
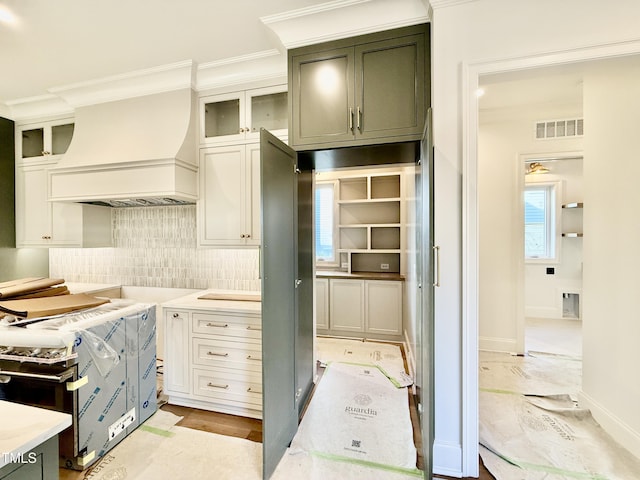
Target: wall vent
point(573, 127)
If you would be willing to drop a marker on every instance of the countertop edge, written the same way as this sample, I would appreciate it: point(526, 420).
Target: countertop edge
point(56, 426)
point(360, 275)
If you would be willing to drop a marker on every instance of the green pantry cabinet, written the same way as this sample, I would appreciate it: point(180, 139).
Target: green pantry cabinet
point(363, 90)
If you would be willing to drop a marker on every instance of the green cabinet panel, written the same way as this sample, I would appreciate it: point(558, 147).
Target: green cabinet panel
point(360, 91)
point(7, 184)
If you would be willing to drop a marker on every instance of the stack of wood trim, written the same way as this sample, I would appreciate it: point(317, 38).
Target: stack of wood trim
point(32, 287)
point(36, 297)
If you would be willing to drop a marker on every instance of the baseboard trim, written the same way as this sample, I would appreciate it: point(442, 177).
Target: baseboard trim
point(496, 344)
point(612, 424)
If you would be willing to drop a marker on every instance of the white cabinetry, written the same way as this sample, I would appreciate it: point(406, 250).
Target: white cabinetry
point(213, 359)
point(359, 307)
point(44, 139)
point(229, 205)
point(322, 303)
point(239, 116)
point(346, 305)
point(54, 224)
point(383, 307)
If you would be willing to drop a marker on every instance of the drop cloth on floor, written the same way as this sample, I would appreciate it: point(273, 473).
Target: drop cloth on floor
point(386, 356)
point(358, 416)
point(531, 427)
point(540, 374)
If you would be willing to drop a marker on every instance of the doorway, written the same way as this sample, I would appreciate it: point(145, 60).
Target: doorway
point(473, 170)
point(553, 261)
point(396, 236)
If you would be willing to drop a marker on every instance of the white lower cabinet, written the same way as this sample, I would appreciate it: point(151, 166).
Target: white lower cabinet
point(346, 305)
point(213, 361)
point(383, 307)
point(357, 307)
point(322, 303)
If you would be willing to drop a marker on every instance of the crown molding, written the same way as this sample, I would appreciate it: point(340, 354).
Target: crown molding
point(343, 18)
point(24, 109)
point(436, 4)
point(259, 66)
point(163, 78)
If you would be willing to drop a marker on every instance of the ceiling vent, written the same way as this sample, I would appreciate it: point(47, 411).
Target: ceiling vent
point(567, 128)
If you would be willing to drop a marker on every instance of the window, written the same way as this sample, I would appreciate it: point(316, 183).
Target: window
point(540, 221)
point(325, 223)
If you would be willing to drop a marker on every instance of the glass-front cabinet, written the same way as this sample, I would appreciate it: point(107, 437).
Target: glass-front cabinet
point(44, 138)
point(239, 116)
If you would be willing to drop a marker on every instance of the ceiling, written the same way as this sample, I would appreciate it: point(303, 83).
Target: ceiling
point(55, 43)
point(47, 44)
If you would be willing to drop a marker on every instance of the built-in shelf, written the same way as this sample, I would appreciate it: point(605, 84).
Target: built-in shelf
point(370, 223)
point(572, 222)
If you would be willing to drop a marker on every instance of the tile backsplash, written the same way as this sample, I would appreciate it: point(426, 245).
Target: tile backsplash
point(156, 247)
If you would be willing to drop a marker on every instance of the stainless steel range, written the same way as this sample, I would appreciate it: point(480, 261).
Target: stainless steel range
point(99, 365)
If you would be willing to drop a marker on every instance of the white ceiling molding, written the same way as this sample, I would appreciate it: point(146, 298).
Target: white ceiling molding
point(164, 78)
point(344, 18)
point(265, 65)
point(447, 3)
point(23, 109)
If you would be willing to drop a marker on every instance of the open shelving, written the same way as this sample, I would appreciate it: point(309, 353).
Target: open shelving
point(574, 223)
point(370, 210)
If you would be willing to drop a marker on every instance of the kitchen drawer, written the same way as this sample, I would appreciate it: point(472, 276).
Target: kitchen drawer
point(220, 353)
point(226, 325)
point(228, 387)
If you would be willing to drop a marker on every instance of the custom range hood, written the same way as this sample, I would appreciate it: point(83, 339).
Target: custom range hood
point(131, 152)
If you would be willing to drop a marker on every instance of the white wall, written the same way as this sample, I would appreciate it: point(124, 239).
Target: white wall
point(504, 138)
point(468, 38)
point(611, 326)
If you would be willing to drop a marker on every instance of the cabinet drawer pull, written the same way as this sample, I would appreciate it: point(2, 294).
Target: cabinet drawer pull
point(251, 390)
point(257, 359)
point(217, 325)
point(217, 386)
point(250, 327)
point(214, 354)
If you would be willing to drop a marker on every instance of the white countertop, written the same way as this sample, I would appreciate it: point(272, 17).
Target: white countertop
point(89, 288)
point(192, 302)
point(22, 428)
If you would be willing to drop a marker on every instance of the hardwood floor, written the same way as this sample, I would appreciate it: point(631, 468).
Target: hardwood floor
point(221, 423)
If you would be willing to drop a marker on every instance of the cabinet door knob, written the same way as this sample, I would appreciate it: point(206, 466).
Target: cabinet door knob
point(176, 315)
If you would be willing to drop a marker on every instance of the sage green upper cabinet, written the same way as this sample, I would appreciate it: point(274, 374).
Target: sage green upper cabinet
point(360, 91)
point(238, 116)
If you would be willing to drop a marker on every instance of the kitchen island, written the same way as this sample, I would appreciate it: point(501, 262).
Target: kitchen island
point(213, 352)
point(29, 441)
